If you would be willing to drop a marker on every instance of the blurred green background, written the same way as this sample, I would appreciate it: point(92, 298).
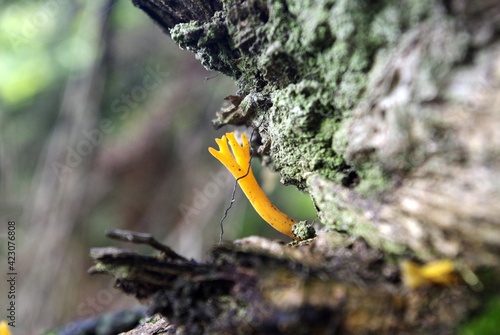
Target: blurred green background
point(105, 123)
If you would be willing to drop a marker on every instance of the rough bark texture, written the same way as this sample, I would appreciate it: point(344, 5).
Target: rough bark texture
point(257, 286)
point(387, 113)
point(393, 104)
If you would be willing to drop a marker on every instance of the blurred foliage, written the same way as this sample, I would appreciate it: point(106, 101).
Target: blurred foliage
point(40, 42)
point(487, 323)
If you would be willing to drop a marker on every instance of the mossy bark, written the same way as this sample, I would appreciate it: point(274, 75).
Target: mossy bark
point(386, 113)
point(392, 103)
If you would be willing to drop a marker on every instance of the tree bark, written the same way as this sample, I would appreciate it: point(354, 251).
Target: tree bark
point(257, 286)
point(393, 104)
point(385, 112)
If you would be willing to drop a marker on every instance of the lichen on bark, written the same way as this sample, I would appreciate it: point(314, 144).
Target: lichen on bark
point(364, 96)
point(309, 62)
point(386, 113)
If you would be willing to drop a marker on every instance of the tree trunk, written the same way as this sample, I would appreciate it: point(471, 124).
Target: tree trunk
point(385, 112)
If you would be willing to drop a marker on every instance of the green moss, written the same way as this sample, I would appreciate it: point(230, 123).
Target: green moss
point(302, 123)
point(210, 42)
point(348, 221)
point(340, 211)
point(303, 230)
point(372, 180)
point(316, 70)
point(309, 62)
point(343, 220)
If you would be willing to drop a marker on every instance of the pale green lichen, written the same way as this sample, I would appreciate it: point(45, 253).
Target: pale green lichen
point(210, 42)
point(301, 127)
point(372, 180)
point(309, 62)
point(338, 214)
point(303, 230)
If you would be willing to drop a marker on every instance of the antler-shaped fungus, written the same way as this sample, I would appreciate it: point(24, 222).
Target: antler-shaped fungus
point(239, 165)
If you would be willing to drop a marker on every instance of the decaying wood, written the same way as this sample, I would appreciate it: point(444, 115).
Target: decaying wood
point(415, 139)
point(387, 114)
point(258, 286)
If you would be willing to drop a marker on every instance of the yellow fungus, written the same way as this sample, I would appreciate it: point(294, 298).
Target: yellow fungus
point(441, 272)
point(4, 328)
point(239, 165)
